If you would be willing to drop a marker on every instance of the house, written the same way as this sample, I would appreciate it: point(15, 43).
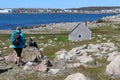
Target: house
point(5, 10)
point(80, 32)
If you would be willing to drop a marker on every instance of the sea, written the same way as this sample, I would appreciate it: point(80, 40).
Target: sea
point(11, 21)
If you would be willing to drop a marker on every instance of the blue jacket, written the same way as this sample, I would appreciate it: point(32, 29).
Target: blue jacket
point(22, 39)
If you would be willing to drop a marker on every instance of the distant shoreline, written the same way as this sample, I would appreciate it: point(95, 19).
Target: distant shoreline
point(10, 22)
point(59, 13)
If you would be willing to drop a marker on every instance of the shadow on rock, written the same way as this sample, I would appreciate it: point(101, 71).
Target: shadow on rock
point(5, 70)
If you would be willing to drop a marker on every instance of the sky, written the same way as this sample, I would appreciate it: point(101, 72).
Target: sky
point(62, 4)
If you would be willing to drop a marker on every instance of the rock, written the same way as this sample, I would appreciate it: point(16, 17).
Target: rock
point(42, 67)
point(41, 37)
point(77, 50)
point(113, 48)
point(104, 48)
point(104, 38)
point(100, 36)
point(41, 49)
point(27, 68)
point(53, 71)
point(60, 63)
point(98, 41)
point(10, 58)
point(77, 76)
point(91, 50)
point(113, 68)
point(112, 55)
point(99, 55)
point(1, 58)
point(62, 55)
point(86, 60)
point(5, 47)
point(29, 64)
point(95, 47)
point(55, 39)
point(110, 45)
point(103, 52)
point(75, 65)
point(69, 66)
point(10, 46)
point(3, 44)
point(5, 69)
point(29, 54)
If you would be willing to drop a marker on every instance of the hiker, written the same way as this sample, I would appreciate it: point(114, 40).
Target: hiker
point(17, 40)
point(32, 43)
point(39, 56)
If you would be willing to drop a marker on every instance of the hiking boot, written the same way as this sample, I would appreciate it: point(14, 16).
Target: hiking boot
point(15, 62)
point(23, 63)
point(18, 64)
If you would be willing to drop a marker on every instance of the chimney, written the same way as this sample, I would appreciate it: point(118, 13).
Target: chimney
point(85, 23)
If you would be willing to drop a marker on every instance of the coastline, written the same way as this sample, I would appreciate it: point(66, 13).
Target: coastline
point(30, 20)
point(65, 27)
point(53, 28)
point(63, 13)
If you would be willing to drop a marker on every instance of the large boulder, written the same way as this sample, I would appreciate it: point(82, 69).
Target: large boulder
point(43, 66)
point(29, 54)
point(113, 69)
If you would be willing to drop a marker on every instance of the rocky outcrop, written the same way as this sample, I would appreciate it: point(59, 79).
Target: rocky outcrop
point(82, 54)
point(115, 18)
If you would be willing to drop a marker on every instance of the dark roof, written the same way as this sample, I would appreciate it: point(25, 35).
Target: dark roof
point(75, 28)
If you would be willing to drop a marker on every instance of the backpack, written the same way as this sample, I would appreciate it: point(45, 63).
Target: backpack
point(16, 39)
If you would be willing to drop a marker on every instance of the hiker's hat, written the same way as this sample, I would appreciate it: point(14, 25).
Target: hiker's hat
point(18, 28)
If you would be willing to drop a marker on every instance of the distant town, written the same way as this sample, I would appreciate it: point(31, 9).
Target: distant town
point(56, 10)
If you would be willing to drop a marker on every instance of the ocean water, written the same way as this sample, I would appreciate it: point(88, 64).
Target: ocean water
point(10, 21)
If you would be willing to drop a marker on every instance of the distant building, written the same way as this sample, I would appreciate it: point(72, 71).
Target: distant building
point(40, 11)
point(67, 11)
point(80, 32)
point(5, 10)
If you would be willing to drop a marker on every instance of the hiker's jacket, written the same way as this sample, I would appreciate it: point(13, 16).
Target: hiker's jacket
point(22, 39)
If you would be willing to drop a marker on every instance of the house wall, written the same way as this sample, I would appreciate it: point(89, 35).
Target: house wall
point(80, 33)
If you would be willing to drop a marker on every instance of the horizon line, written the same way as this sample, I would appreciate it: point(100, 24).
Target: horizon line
point(63, 8)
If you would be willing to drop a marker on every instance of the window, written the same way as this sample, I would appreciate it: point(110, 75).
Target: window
point(79, 36)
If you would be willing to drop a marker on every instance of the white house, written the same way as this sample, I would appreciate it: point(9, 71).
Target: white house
point(80, 32)
point(5, 10)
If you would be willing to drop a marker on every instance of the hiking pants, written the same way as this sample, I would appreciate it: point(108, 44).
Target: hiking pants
point(18, 51)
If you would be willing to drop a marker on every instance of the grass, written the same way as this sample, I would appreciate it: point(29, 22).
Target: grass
point(60, 41)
